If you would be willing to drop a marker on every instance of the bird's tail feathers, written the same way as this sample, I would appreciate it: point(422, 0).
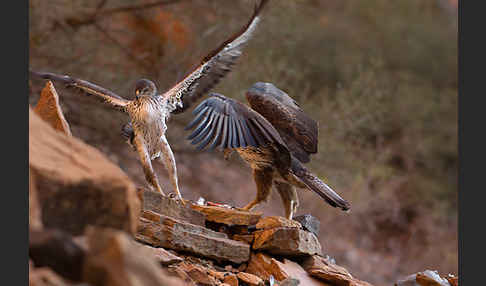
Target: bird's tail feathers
point(321, 188)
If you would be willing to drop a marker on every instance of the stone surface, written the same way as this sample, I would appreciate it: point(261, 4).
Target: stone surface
point(309, 223)
point(57, 250)
point(49, 110)
point(114, 259)
point(156, 202)
point(290, 282)
point(231, 279)
point(161, 231)
point(262, 265)
point(163, 256)
point(228, 216)
point(276, 221)
point(286, 241)
point(425, 278)
point(217, 274)
point(35, 216)
point(250, 279)
point(295, 271)
point(321, 268)
point(198, 274)
point(76, 184)
point(247, 238)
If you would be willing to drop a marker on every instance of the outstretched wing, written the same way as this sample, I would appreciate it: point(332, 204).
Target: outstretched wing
point(226, 123)
point(104, 94)
point(214, 66)
point(298, 130)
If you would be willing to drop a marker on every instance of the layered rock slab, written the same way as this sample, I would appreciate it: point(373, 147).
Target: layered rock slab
point(228, 216)
point(162, 231)
point(276, 221)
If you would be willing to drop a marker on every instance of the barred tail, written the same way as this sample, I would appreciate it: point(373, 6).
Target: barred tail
point(319, 187)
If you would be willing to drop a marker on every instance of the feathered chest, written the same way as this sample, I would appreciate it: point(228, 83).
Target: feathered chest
point(148, 117)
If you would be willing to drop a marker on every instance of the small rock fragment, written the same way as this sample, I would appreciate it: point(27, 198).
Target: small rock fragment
point(217, 274)
point(287, 242)
point(247, 238)
point(309, 223)
point(49, 110)
point(290, 282)
point(431, 278)
point(198, 274)
point(231, 279)
point(250, 279)
point(453, 280)
point(319, 267)
point(295, 271)
point(264, 266)
point(163, 256)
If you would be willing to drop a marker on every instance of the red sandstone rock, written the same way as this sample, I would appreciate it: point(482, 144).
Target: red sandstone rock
point(49, 110)
point(76, 184)
point(161, 231)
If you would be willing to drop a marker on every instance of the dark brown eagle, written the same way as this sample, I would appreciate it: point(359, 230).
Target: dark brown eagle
point(149, 110)
point(274, 137)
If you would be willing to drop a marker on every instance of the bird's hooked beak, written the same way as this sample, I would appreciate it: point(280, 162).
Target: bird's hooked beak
point(137, 93)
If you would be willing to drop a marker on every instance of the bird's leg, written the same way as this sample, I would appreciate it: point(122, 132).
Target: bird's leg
point(263, 179)
point(288, 194)
point(147, 164)
point(168, 160)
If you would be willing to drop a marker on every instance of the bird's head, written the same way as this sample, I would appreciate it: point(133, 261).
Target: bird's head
point(145, 87)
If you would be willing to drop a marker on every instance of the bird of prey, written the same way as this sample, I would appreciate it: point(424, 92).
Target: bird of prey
point(149, 110)
point(274, 137)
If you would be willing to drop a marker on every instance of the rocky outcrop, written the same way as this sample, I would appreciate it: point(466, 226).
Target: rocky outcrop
point(76, 184)
point(89, 226)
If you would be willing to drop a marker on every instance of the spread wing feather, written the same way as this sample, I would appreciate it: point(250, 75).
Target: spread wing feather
point(89, 88)
point(298, 130)
point(232, 125)
point(214, 66)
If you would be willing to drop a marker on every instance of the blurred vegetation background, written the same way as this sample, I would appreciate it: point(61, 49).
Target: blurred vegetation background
point(379, 76)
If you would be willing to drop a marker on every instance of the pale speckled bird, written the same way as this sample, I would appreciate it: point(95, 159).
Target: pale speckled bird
point(274, 137)
point(150, 110)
